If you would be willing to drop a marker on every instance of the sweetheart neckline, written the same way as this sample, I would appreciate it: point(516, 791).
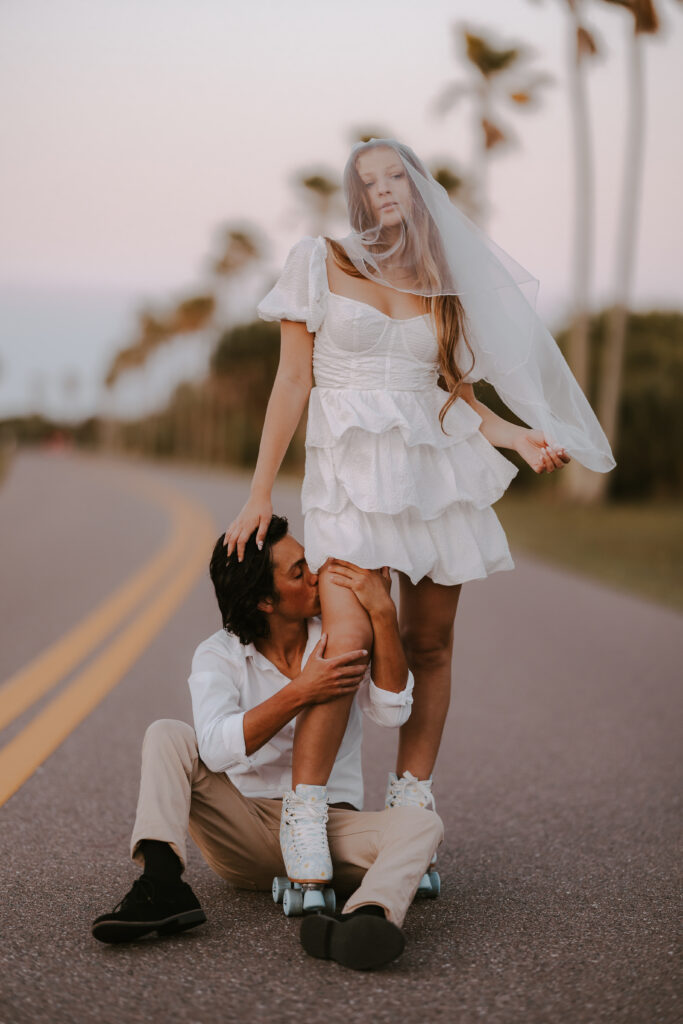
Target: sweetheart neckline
point(368, 305)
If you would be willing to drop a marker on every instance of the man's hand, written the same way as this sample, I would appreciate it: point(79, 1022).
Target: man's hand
point(372, 587)
point(325, 679)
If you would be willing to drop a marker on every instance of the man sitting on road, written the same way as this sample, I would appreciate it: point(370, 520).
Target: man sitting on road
point(224, 782)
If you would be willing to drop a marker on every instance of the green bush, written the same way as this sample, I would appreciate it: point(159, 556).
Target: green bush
point(650, 437)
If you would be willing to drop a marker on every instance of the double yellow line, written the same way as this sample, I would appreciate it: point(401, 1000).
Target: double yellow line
point(156, 591)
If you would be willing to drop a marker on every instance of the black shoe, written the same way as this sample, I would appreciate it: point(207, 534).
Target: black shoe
point(147, 908)
point(360, 941)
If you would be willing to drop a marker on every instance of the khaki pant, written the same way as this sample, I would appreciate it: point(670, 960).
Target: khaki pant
point(379, 857)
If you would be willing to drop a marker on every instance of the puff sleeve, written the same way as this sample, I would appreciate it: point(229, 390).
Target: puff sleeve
point(300, 291)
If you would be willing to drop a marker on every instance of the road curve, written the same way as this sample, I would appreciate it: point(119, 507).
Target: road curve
point(558, 782)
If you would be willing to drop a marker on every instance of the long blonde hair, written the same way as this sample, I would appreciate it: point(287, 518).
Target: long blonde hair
point(424, 253)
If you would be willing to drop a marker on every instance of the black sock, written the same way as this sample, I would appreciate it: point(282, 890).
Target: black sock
point(161, 862)
point(373, 909)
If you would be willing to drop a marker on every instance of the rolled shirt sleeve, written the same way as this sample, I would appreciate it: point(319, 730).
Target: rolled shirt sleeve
point(383, 706)
point(218, 717)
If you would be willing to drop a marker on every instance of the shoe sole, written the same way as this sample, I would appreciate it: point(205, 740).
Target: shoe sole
point(128, 931)
point(362, 943)
point(312, 881)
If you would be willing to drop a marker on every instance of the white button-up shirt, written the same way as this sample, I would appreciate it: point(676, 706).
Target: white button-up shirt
point(229, 678)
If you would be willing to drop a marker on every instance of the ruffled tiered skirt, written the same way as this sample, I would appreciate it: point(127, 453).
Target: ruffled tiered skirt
point(384, 485)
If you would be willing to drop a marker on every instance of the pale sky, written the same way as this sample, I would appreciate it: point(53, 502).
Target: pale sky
point(132, 128)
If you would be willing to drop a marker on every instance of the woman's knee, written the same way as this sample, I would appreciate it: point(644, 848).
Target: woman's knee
point(348, 633)
point(428, 647)
point(345, 621)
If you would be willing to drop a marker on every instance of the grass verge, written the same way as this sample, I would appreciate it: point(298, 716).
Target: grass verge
point(636, 547)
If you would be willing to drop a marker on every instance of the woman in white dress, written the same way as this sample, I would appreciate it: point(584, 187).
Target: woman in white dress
point(383, 334)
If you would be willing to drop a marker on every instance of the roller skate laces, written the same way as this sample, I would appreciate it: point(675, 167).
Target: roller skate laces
point(303, 834)
point(409, 792)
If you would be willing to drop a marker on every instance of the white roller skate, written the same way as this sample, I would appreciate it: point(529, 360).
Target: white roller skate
point(306, 853)
point(408, 791)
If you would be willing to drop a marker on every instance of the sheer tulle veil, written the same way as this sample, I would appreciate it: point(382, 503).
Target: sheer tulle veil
point(436, 250)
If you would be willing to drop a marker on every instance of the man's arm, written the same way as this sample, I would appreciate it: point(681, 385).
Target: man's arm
point(227, 733)
point(321, 680)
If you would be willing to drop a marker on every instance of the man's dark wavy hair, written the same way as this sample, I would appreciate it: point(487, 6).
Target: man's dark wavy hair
point(241, 585)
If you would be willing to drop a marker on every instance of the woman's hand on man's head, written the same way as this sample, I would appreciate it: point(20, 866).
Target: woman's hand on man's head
point(256, 513)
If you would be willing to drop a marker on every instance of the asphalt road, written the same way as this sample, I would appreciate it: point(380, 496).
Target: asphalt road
point(558, 782)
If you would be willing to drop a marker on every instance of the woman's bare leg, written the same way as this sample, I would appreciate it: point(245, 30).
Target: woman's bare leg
point(320, 728)
point(426, 616)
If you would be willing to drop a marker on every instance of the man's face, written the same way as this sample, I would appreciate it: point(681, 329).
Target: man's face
point(295, 585)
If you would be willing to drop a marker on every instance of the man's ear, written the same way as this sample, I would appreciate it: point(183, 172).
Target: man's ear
point(267, 605)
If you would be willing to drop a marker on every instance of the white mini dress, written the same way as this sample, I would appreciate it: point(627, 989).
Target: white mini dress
point(383, 483)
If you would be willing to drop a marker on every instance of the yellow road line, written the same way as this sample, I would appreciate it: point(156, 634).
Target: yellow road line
point(41, 737)
point(43, 673)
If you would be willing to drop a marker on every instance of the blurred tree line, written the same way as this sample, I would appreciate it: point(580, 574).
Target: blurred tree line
point(630, 365)
point(649, 465)
point(219, 420)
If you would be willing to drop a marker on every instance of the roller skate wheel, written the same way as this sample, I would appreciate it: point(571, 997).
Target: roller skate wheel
point(293, 902)
point(430, 885)
point(330, 900)
point(280, 885)
point(313, 900)
point(434, 883)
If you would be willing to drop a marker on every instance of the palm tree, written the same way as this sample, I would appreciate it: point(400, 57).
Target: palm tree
point(582, 47)
point(644, 22)
point(154, 330)
point(241, 249)
point(200, 315)
point(367, 132)
point(320, 189)
point(459, 186)
point(494, 77)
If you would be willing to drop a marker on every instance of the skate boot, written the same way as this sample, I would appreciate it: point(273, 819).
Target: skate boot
point(303, 839)
point(411, 792)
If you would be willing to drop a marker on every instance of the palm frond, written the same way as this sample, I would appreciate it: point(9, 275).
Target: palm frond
point(450, 96)
point(586, 45)
point(486, 58)
point(644, 14)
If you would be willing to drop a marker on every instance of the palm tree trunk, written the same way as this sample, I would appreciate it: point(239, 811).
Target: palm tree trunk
point(583, 208)
point(575, 478)
point(479, 154)
point(613, 358)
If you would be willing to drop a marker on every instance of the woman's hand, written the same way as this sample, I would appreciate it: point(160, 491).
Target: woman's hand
point(372, 587)
point(538, 453)
point(256, 513)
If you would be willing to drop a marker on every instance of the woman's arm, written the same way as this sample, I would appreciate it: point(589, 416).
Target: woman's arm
point(530, 444)
point(287, 401)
